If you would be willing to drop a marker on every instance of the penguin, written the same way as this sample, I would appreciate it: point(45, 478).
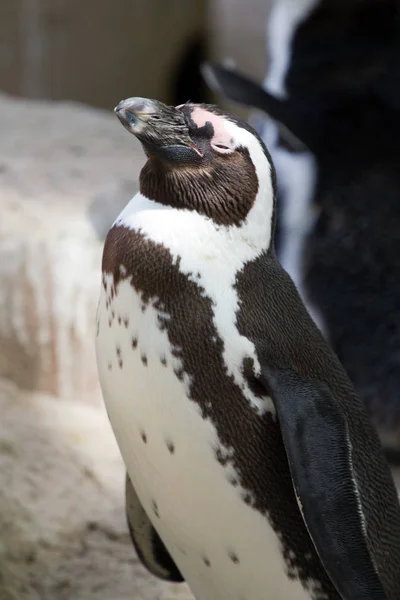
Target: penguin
point(330, 90)
point(253, 469)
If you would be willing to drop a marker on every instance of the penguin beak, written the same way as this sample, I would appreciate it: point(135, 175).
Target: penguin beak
point(156, 125)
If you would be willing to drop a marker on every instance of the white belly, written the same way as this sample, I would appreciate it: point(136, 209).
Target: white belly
point(224, 548)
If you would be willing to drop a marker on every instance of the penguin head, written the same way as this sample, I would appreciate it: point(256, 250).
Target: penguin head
point(202, 159)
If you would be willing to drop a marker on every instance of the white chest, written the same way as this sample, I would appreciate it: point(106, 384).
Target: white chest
point(225, 549)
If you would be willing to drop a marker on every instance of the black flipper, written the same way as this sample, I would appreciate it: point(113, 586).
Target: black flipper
point(148, 544)
point(241, 89)
point(293, 121)
point(319, 451)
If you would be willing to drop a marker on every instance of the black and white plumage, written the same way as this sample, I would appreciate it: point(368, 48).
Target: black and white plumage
point(332, 92)
point(233, 416)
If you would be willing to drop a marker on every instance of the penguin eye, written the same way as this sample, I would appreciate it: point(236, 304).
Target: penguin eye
point(221, 148)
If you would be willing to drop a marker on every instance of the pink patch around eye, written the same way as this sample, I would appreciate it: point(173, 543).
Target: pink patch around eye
point(221, 137)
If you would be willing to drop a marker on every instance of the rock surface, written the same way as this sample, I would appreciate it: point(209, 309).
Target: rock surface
point(64, 176)
point(62, 528)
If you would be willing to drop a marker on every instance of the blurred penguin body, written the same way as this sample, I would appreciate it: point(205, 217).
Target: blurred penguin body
point(337, 112)
point(295, 167)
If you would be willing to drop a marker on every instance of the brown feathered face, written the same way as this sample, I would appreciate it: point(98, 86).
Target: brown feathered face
point(199, 158)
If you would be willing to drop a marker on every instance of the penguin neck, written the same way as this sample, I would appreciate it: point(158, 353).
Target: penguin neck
point(186, 232)
point(226, 196)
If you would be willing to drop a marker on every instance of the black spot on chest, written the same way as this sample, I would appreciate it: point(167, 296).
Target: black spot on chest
point(206, 561)
point(154, 508)
point(171, 446)
point(234, 557)
point(256, 450)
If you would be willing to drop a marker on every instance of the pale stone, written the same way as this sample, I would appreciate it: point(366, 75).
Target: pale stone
point(64, 177)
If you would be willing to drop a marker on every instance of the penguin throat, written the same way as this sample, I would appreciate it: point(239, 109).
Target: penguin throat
point(225, 195)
